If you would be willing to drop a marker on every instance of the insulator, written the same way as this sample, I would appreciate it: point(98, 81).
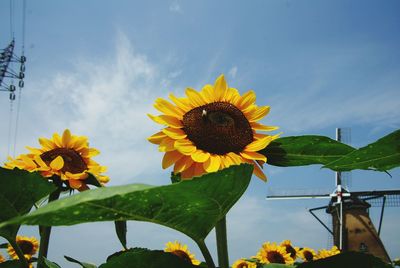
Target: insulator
point(22, 67)
point(21, 83)
point(12, 88)
point(12, 96)
point(23, 59)
point(21, 75)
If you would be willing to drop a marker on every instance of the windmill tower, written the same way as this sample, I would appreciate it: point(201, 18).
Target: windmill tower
point(352, 228)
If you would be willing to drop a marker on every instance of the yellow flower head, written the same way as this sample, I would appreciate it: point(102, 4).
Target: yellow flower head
point(287, 244)
point(67, 156)
point(324, 253)
point(28, 246)
point(210, 130)
point(272, 253)
point(244, 264)
point(2, 259)
point(181, 251)
point(307, 254)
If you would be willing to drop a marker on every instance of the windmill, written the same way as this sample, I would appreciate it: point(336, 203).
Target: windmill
point(352, 228)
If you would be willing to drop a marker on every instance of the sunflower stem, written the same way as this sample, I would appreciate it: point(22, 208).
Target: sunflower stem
point(45, 233)
point(206, 254)
point(19, 252)
point(222, 243)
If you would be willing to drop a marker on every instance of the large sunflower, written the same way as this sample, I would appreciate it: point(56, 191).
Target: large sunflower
point(272, 253)
point(181, 251)
point(28, 246)
point(67, 156)
point(241, 263)
point(307, 254)
point(211, 130)
point(287, 244)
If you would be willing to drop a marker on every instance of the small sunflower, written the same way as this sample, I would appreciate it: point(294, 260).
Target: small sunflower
point(211, 130)
point(272, 253)
point(287, 244)
point(307, 254)
point(181, 251)
point(28, 246)
point(324, 253)
point(244, 264)
point(67, 156)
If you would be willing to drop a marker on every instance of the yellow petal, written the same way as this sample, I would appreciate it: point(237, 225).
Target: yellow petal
point(208, 93)
point(195, 97)
point(257, 126)
point(213, 163)
point(168, 108)
point(182, 103)
point(167, 120)
point(247, 99)
point(57, 163)
point(258, 114)
point(188, 173)
point(198, 170)
point(257, 145)
point(200, 156)
point(47, 144)
point(236, 159)
point(75, 184)
point(220, 87)
point(182, 164)
point(259, 173)
point(174, 133)
point(186, 147)
point(66, 138)
point(253, 156)
point(230, 95)
point(34, 150)
point(157, 138)
point(170, 158)
point(57, 140)
point(80, 143)
point(166, 145)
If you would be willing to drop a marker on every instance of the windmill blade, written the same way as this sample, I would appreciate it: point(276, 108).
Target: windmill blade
point(375, 198)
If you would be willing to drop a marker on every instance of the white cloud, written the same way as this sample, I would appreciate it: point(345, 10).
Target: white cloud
point(233, 71)
point(175, 7)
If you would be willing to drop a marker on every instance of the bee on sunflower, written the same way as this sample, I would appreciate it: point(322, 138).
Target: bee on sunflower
point(210, 130)
point(65, 159)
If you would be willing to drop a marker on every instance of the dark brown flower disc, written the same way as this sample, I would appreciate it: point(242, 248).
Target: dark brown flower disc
point(73, 162)
point(218, 128)
point(275, 257)
point(308, 255)
point(183, 255)
point(26, 247)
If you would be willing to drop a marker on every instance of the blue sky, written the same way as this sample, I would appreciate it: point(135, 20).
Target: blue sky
point(96, 67)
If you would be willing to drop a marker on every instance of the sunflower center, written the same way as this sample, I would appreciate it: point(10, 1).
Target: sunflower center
point(218, 128)
point(73, 162)
point(26, 247)
point(275, 257)
point(291, 251)
point(183, 255)
point(308, 255)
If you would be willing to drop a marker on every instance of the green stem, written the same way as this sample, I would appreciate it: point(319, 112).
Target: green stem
point(19, 252)
point(222, 243)
point(206, 254)
point(45, 233)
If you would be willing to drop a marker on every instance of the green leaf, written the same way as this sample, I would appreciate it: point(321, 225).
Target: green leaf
point(277, 265)
point(304, 150)
point(192, 207)
point(50, 264)
point(11, 264)
point(19, 190)
point(382, 155)
point(138, 257)
point(347, 259)
point(83, 264)
point(121, 230)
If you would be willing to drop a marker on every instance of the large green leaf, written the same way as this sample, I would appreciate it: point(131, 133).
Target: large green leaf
point(192, 207)
point(382, 155)
point(138, 257)
point(19, 190)
point(11, 264)
point(304, 150)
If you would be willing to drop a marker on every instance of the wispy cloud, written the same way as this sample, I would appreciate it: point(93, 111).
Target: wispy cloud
point(233, 71)
point(175, 7)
